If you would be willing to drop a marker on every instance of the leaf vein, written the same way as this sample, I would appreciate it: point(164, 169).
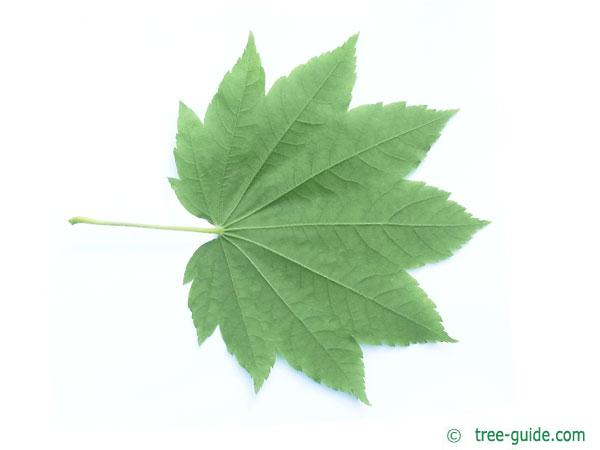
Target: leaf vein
point(339, 283)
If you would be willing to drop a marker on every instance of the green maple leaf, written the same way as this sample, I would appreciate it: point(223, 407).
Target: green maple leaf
point(316, 224)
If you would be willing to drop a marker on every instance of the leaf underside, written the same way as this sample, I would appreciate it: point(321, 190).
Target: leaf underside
point(320, 222)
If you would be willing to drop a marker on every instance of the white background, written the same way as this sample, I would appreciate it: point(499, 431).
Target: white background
point(97, 345)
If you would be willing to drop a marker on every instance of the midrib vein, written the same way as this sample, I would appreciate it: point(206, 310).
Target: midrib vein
point(352, 224)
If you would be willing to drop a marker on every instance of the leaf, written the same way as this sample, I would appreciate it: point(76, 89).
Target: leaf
point(318, 222)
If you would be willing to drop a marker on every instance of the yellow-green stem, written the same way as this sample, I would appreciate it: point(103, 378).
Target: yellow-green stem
point(78, 219)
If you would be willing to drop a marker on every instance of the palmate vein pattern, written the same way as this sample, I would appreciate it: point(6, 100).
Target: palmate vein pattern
point(318, 221)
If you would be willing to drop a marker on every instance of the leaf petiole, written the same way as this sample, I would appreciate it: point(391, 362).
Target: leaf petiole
point(79, 219)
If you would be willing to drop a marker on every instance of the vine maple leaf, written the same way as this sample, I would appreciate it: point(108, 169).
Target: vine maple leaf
point(316, 224)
